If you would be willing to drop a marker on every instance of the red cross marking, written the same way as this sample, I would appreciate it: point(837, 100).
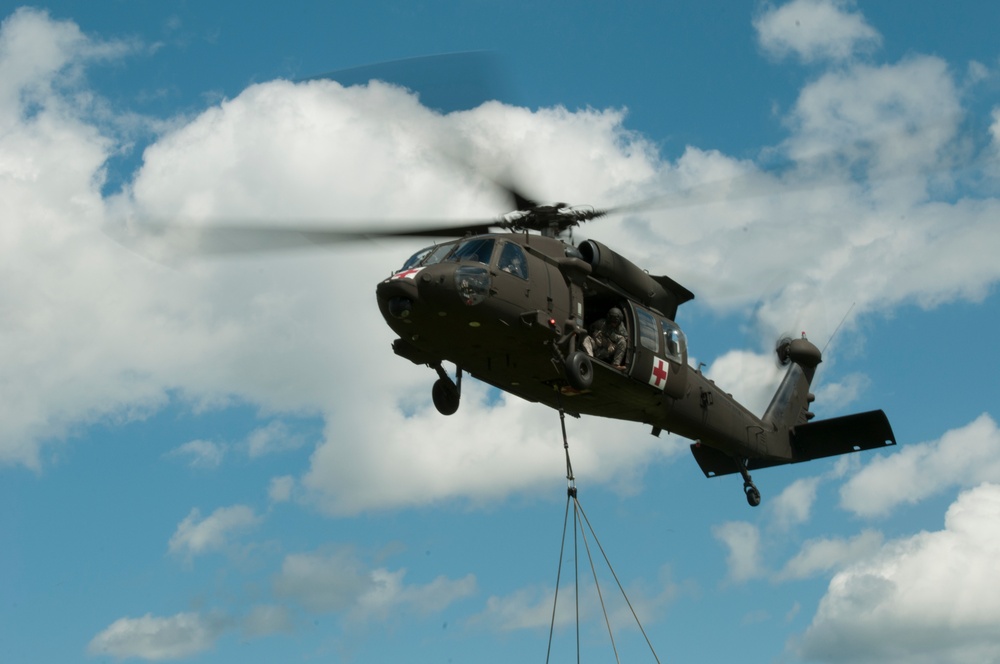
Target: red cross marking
point(659, 376)
point(407, 274)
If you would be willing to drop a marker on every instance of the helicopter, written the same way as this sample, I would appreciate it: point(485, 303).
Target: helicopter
point(511, 303)
point(512, 300)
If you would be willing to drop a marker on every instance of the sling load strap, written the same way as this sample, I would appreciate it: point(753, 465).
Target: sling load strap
point(578, 524)
point(570, 479)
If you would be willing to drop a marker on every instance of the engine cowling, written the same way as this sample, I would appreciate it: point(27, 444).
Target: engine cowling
point(660, 293)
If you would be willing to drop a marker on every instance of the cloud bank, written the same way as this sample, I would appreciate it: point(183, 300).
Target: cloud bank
point(101, 334)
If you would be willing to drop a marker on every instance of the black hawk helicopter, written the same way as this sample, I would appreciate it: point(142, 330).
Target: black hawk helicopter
point(511, 303)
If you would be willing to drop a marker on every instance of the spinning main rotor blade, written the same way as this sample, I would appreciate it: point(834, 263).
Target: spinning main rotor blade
point(445, 82)
point(167, 241)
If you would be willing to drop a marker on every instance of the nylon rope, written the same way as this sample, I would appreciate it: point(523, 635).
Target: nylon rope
point(578, 511)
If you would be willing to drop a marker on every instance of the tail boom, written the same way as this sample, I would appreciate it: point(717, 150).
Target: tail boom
point(791, 436)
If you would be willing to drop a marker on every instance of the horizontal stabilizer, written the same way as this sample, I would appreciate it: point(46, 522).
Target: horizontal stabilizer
point(715, 463)
point(815, 440)
point(842, 435)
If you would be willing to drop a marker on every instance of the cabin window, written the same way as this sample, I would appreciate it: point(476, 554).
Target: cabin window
point(512, 260)
point(478, 250)
point(673, 340)
point(647, 329)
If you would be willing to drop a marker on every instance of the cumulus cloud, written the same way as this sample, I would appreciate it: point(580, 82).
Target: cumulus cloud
point(932, 597)
point(815, 30)
point(196, 535)
point(526, 608)
point(531, 607)
point(793, 505)
point(280, 488)
point(753, 548)
point(322, 581)
point(267, 619)
point(273, 438)
point(962, 457)
point(825, 554)
point(743, 541)
point(200, 453)
point(158, 638)
point(388, 593)
point(337, 581)
point(98, 333)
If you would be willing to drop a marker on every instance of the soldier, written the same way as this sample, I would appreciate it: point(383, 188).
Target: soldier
point(608, 339)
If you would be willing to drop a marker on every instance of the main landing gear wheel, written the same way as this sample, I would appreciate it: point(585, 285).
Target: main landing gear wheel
point(445, 395)
point(579, 370)
point(446, 392)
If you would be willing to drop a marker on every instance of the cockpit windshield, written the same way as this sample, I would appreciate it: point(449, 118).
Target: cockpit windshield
point(479, 250)
point(429, 255)
point(475, 249)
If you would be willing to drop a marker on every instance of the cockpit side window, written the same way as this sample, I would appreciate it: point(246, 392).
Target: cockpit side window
point(512, 260)
point(478, 249)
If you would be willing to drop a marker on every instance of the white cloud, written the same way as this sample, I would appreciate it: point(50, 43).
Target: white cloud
point(322, 582)
point(156, 638)
point(743, 541)
point(480, 452)
point(200, 453)
point(836, 396)
point(531, 608)
point(273, 438)
point(750, 377)
point(962, 457)
point(526, 608)
point(825, 554)
point(196, 535)
point(280, 488)
point(793, 506)
point(815, 30)
point(337, 581)
point(899, 117)
point(388, 594)
point(98, 333)
point(932, 597)
point(266, 619)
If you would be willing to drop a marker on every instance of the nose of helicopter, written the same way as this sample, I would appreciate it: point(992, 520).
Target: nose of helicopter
point(435, 289)
point(397, 295)
point(399, 306)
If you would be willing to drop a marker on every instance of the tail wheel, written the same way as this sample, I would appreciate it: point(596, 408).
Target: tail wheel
point(579, 370)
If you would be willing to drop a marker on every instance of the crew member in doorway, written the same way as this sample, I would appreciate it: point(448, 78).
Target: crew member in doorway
point(608, 339)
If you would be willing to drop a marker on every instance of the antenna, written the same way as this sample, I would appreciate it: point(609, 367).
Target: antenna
point(839, 325)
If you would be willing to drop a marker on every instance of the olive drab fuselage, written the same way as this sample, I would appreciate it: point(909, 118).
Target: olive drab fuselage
point(512, 310)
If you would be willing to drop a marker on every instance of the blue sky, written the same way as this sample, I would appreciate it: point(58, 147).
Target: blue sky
point(223, 461)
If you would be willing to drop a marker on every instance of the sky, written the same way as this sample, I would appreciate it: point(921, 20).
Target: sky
point(221, 460)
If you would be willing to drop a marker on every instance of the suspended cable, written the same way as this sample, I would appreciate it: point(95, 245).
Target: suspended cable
point(571, 496)
point(555, 600)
